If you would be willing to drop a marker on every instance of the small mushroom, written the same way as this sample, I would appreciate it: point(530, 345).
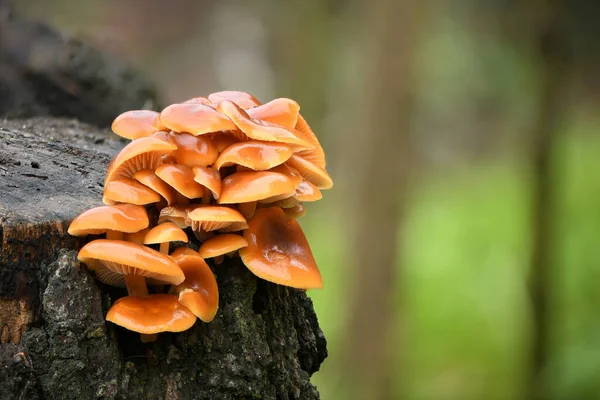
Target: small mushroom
point(315, 155)
point(192, 151)
point(242, 99)
point(180, 178)
point(112, 220)
point(221, 245)
point(143, 153)
point(306, 191)
point(199, 292)
point(283, 112)
point(134, 124)
point(194, 118)
point(311, 172)
point(261, 130)
point(247, 186)
point(148, 178)
point(164, 234)
point(128, 190)
point(258, 156)
point(212, 218)
point(278, 251)
point(210, 179)
point(151, 314)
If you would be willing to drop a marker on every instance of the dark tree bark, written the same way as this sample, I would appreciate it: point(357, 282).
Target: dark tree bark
point(54, 342)
point(43, 73)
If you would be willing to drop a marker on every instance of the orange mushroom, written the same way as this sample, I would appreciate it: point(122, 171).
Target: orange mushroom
point(295, 212)
point(306, 191)
point(143, 153)
point(191, 150)
point(255, 155)
point(151, 314)
point(134, 124)
point(210, 179)
point(221, 245)
point(242, 99)
point(199, 292)
point(164, 234)
point(184, 251)
point(148, 178)
point(282, 112)
point(127, 190)
point(247, 209)
point(194, 118)
point(112, 220)
point(212, 218)
point(311, 172)
point(278, 251)
point(261, 130)
point(247, 186)
point(315, 155)
point(180, 178)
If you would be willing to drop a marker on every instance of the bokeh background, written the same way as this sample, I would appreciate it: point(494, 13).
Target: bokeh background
point(460, 245)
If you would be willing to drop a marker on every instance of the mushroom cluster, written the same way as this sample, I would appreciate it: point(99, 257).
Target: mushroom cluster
point(234, 172)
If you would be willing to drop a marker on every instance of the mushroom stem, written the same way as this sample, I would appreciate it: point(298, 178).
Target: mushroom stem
point(218, 259)
point(206, 197)
point(114, 235)
point(247, 209)
point(164, 247)
point(202, 235)
point(136, 286)
point(181, 199)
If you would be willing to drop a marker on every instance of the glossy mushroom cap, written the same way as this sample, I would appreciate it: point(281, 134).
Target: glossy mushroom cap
point(258, 156)
point(222, 244)
point(121, 218)
point(315, 155)
point(151, 314)
point(164, 233)
point(180, 178)
point(311, 172)
point(199, 292)
point(242, 99)
point(113, 259)
point(184, 251)
point(283, 112)
point(247, 186)
point(278, 251)
point(128, 190)
point(192, 151)
point(194, 118)
point(261, 130)
point(306, 191)
point(211, 218)
point(143, 153)
point(209, 178)
point(148, 178)
point(134, 124)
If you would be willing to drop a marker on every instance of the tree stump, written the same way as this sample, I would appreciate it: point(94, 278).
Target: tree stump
point(265, 341)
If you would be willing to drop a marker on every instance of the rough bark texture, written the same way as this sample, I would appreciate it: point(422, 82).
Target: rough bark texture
point(54, 343)
point(44, 73)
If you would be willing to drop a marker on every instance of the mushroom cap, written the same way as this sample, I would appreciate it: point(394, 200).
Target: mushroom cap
point(149, 178)
point(311, 172)
point(180, 178)
point(194, 118)
point(242, 99)
point(184, 250)
point(177, 215)
point(306, 191)
point(127, 190)
point(315, 155)
point(199, 292)
point(134, 124)
point(247, 186)
point(221, 244)
point(255, 155)
point(151, 314)
point(261, 130)
point(113, 259)
point(290, 172)
point(143, 153)
point(283, 112)
point(121, 218)
point(211, 218)
point(209, 178)
point(165, 232)
point(278, 251)
point(191, 150)
point(222, 140)
point(295, 212)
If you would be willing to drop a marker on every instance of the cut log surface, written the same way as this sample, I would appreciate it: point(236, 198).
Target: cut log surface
point(54, 342)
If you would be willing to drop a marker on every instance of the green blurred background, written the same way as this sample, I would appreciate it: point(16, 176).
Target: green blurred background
point(463, 140)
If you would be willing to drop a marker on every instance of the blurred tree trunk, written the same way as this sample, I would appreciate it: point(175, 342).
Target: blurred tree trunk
point(382, 162)
point(550, 43)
